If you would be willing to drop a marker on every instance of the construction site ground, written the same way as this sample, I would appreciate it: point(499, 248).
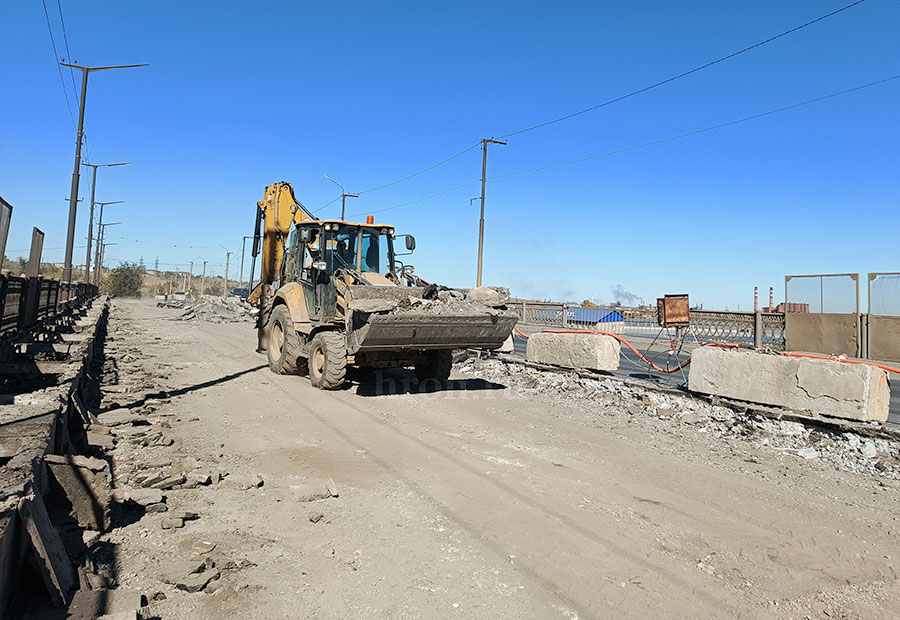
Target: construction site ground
point(509, 493)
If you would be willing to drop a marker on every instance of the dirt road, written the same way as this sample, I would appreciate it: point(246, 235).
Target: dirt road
point(481, 501)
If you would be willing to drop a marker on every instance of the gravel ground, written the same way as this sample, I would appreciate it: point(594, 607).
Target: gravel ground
point(508, 493)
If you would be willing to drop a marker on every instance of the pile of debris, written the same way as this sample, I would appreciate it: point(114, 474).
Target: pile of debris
point(212, 309)
point(859, 451)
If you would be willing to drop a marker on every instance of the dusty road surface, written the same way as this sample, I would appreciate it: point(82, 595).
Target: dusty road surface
point(495, 498)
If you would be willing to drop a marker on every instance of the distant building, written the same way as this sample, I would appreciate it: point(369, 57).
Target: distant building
point(788, 307)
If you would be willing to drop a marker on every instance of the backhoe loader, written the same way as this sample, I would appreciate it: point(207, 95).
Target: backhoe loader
point(334, 294)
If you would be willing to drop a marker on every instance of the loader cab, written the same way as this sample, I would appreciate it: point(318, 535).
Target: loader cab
point(319, 249)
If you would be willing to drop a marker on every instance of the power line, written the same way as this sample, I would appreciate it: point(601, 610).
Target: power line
point(645, 144)
point(406, 178)
point(422, 171)
point(66, 41)
point(684, 74)
point(404, 204)
point(698, 131)
point(58, 67)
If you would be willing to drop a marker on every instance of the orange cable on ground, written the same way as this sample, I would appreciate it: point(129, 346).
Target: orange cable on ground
point(617, 337)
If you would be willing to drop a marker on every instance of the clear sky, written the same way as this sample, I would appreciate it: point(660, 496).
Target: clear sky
point(239, 95)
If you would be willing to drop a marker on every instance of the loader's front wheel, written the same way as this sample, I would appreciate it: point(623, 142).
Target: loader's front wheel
point(437, 366)
point(284, 343)
point(327, 360)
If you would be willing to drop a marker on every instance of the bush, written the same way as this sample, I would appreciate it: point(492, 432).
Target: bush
point(125, 280)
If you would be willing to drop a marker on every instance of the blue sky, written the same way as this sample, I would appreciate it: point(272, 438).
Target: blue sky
point(239, 95)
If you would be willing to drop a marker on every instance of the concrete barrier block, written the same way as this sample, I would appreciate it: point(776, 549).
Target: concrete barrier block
point(824, 387)
point(588, 351)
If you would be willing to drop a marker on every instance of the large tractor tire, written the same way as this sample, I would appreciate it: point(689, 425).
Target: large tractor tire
point(284, 344)
point(437, 366)
point(328, 360)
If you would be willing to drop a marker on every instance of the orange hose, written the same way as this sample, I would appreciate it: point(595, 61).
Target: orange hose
point(834, 359)
point(617, 337)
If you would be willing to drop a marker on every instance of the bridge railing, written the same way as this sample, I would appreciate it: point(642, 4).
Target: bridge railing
point(24, 301)
point(752, 328)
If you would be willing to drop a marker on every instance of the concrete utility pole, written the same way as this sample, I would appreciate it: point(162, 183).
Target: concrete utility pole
point(484, 147)
point(190, 277)
point(225, 290)
point(100, 235)
point(101, 244)
point(76, 173)
point(90, 237)
point(344, 195)
point(243, 249)
point(203, 278)
point(102, 258)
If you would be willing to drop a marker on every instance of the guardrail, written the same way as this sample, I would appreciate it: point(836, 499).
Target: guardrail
point(753, 328)
point(24, 301)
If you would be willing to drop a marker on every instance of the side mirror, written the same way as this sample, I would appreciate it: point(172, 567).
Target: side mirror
point(307, 235)
point(410, 243)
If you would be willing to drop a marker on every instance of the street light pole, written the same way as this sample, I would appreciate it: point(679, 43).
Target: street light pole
point(76, 173)
point(90, 237)
point(344, 195)
point(100, 235)
point(484, 145)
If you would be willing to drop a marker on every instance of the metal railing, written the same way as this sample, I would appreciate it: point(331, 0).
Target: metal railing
point(24, 301)
point(752, 328)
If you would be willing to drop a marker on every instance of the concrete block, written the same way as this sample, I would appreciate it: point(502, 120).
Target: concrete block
point(50, 555)
point(508, 346)
point(86, 483)
point(823, 387)
point(588, 351)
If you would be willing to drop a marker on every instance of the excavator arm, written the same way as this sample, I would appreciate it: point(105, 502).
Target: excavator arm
point(276, 215)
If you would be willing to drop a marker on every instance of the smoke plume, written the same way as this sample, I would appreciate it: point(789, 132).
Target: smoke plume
point(624, 297)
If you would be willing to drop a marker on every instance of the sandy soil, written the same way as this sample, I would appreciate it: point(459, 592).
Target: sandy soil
point(479, 501)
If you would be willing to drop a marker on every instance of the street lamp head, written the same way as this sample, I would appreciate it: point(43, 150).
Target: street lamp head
point(335, 182)
point(89, 69)
point(122, 163)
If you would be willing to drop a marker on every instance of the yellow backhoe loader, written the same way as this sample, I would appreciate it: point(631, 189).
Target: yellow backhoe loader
point(333, 293)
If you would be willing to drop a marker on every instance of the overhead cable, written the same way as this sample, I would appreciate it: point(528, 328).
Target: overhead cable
point(58, 66)
point(697, 131)
point(685, 73)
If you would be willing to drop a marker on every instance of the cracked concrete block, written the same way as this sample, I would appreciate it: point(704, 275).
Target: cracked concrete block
point(823, 387)
point(50, 555)
point(586, 351)
point(86, 483)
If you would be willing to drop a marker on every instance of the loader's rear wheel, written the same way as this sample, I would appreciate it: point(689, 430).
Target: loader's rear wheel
point(327, 360)
point(437, 366)
point(284, 343)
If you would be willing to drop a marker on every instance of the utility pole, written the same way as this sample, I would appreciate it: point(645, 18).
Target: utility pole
point(243, 249)
point(76, 173)
point(100, 234)
point(203, 279)
point(90, 237)
point(102, 258)
point(190, 276)
point(484, 145)
point(225, 289)
point(344, 195)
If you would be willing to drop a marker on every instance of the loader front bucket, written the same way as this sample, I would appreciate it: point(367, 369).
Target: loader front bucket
point(410, 330)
